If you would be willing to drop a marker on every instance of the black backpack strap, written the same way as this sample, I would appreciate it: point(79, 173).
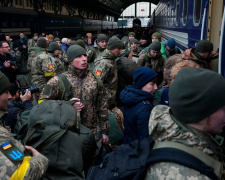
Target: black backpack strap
point(180, 157)
point(65, 87)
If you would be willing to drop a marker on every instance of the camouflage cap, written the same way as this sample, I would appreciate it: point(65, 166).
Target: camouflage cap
point(191, 98)
point(74, 51)
point(5, 84)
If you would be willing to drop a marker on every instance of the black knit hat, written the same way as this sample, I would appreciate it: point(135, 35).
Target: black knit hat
point(144, 36)
point(204, 46)
point(53, 46)
point(114, 43)
point(195, 94)
point(74, 51)
point(155, 45)
point(4, 83)
point(101, 37)
point(42, 42)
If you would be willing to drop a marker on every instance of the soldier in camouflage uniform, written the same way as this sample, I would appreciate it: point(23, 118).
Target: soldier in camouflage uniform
point(153, 59)
point(33, 42)
point(42, 69)
point(53, 51)
point(203, 54)
point(127, 44)
point(134, 49)
point(62, 54)
point(195, 116)
point(10, 168)
point(100, 44)
point(106, 69)
point(85, 87)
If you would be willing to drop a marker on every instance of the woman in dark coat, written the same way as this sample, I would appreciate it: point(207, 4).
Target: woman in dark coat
point(137, 101)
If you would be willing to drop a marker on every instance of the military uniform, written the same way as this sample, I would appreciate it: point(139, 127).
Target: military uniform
point(42, 69)
point(98, 50)
point(192, 54)
point(86, 89)
point(59, 64)
point(162, 127)
point(38, 164)
point(106, 69)
point(32, 43)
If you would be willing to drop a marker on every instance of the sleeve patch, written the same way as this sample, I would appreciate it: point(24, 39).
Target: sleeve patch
point(99, 71)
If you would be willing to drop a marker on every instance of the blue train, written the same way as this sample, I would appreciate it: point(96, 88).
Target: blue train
point(14, 20)
point(189, 21)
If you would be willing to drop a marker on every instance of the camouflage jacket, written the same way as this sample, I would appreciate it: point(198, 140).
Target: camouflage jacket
point(90, 54)
point(32, 43)
point(98, 50)
point(59, 64)
point(85, 88)
point(38, 164)
point(157, 64)
point(106, 69)
point(42, 69)
point(191, 54)
point(32, 53)
point(163, 128)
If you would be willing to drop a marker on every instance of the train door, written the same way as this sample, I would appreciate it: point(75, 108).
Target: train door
point(215, 16)
point(221, 64)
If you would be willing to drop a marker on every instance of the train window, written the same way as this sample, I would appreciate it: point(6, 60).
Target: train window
point(177, 12)
point(197, 12)
point(185, 6)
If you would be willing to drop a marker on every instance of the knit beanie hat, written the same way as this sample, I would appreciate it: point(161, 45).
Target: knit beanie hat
point(204, 46)
point(171, 43)
point(73, 42)
point(157, 35)
point(4, 83)
point(53, 46)
point(13, 89)
point(155, 45)
point(56, 39)
point(81, 43)
point(132, 34)
point(114, 43)
point(142, 76)
point(35, 34)
point(50, 36)
point(144, 36)
point(101, 37)
point(134, 41)
point(191, 98)
point(74, 51)
point(42, 42)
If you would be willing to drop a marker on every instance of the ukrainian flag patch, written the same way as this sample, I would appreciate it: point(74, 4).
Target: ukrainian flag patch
point(6, 145)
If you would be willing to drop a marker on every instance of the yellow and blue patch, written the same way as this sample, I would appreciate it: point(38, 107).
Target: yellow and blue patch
point(99, 71)
point(6, 145)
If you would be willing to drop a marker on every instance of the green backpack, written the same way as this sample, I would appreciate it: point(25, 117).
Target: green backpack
point(53, 129)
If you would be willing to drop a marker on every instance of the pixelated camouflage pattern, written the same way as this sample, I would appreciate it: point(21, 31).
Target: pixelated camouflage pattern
point(62, 56)
point(188, 54)
point(59, 64)
point(32, 53)
point(163, 128)
point(106, 62)
point(157, 64)
point(41, 65)
point(97, 49)
point(90, 54)
point(38, 164)
point(31, 43)
point(85, 88)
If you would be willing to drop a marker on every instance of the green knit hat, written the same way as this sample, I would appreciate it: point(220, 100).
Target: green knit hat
point(81, 43)
point(73, 42)
point(155, 45)
point(132, 34)
point(204, 46)
point(101, 37)
point(114, 43)
point(57, 39)
point(35, 34)
point(53, 46)
point(157, 35)
point(74, 51)
point(4, 83)
point(134, 41)
point(192, 99)
point(42, 42)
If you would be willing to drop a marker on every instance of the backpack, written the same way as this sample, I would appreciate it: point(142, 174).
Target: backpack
point(130, 161)
point(54, 130)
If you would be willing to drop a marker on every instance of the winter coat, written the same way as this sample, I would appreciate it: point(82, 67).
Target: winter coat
point(136, 111)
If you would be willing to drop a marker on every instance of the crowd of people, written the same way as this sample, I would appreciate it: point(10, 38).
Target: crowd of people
point(170, 96)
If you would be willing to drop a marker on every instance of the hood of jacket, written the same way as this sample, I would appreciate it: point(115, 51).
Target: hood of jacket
point(131, 96)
